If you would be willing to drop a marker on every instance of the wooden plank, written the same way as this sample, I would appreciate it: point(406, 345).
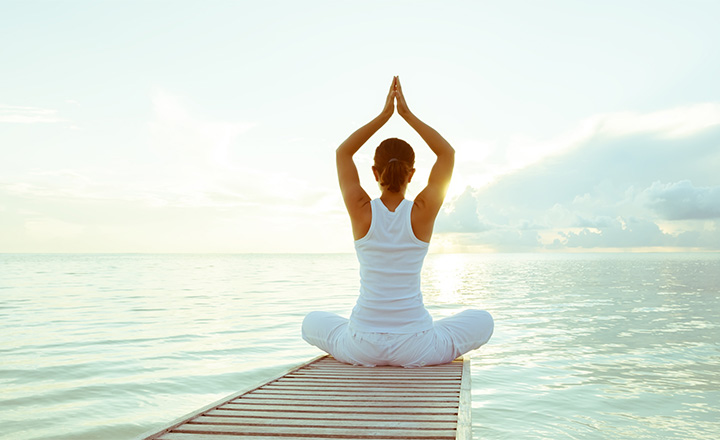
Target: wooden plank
point(431, 375)
point(362, 386)
point(348, 404)
point(340, 393)
point(448, 417)
point(349, 400)
point(332, 423)
point(329, 360)
point(318, 431)
point(380, 376)
point(273, 393)
point(196, 436)
point(403, 373)
point(325, 399)
point(293, 415)
point(353, 396)
point(345, 410)
point(376, 377)
point(370, 387)
point(346, 368)
point(331, 396)
point(362, 382)
point(374, 380)
point(367, 392)
point(391, 370)
point(365, 382)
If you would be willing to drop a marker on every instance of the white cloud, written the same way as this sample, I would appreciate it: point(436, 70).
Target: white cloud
point(489, 161)
point(27, 115)
point(187, 191)
point(463, 217)
point(482, 163)
point(676, 122)
point(185, 140)
point(683, 201)
point(605, 191)
point(596, 222)
point(621, 233)
point(591, 188)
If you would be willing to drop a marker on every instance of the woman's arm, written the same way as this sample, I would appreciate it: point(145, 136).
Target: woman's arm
point(431, 198)
point(354, 196)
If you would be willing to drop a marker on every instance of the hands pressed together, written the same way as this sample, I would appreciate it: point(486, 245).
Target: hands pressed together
point(395, 94)
point(431, 198)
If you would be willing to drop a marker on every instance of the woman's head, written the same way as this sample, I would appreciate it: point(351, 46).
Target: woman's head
point(394, 161)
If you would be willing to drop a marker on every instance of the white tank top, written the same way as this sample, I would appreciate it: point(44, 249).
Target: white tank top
point(391, 258)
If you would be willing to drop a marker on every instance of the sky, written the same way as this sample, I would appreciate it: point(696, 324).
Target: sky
point(187, 126)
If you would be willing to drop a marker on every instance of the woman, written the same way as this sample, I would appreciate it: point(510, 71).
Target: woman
point(389, 324)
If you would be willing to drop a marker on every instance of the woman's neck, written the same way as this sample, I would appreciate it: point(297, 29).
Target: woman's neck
point(391, 200)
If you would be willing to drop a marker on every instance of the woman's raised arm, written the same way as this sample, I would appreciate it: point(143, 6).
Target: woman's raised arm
point(353, 194)
point(431, 198)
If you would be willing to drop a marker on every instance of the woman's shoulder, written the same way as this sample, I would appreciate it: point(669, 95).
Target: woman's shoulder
point(422, 220)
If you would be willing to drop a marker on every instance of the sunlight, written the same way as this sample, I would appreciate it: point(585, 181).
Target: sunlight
point(461, 182)
point(446, 277)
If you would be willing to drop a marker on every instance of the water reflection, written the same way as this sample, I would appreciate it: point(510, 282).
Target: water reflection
point(598, 346)
point(585, 346)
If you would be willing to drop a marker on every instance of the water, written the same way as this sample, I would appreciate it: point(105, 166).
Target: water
point(603, 346)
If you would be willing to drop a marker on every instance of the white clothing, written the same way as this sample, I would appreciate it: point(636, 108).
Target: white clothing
point(449, 338)
point(389, 324)
point(391, 258)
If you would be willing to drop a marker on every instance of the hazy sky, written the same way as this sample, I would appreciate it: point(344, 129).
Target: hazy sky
point(177, 126)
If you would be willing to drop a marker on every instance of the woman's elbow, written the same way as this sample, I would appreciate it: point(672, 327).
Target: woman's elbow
point(448, 152)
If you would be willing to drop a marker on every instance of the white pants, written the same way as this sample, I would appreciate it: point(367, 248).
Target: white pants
point(449, 338)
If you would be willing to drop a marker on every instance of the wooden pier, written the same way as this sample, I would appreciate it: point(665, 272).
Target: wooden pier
point(325, 399)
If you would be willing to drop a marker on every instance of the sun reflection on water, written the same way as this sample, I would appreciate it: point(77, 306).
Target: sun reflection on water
point(585, 346)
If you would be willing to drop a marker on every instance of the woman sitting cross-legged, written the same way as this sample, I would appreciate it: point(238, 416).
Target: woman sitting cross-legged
point(389, 324)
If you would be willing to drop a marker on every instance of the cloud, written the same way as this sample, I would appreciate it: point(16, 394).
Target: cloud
point(622, 233)
point(683, 201)
point(605, 191)
point(188, 141)
point(70, 211)
point(701, 238)
point(463, 217)
point(186, 163)
point(635, 138)
point(183, 191)
point(597, 188)
point(204, 162)
point(676, 122)
point(597, 222)
point(27, 115)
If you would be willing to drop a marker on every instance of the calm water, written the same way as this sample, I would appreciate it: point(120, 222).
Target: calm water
point(585, 346)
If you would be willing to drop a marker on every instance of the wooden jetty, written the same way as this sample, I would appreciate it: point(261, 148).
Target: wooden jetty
point(325, 399)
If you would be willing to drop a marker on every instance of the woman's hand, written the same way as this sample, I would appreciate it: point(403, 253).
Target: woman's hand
point(389, 108)
point(402, 106)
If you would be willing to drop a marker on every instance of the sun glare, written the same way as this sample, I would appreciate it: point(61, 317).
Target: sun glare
point(445, 277)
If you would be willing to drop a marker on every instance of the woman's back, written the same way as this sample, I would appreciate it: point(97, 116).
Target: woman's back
point(391, 259)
